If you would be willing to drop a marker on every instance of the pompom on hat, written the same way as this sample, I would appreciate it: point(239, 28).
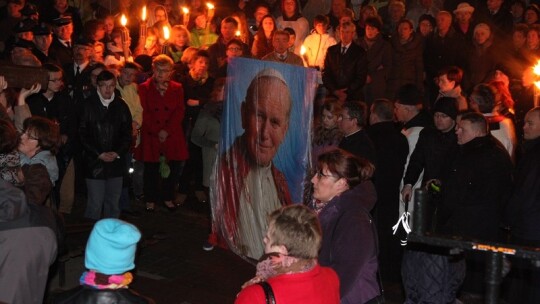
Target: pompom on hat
point(111, 247)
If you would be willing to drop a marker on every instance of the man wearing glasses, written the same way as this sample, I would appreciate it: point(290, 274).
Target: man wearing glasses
point(105, 134)
point(355, 140)
point(56, 104)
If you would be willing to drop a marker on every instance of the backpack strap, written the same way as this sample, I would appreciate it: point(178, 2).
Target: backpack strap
point(268, 292)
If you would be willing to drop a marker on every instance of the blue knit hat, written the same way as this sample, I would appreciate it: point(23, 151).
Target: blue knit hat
point(111, 247)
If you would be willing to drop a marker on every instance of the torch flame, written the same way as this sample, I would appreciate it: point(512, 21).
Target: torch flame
point(536, 71)
point(302, 50)
point(166, 32)
point(185, 10)
point(143, 13)
point(536, 68)
point(210, 5)
point(123, 20)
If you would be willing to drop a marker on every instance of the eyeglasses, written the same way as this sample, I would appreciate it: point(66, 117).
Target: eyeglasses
point(234, 49)
point(320, 175)
point(29, 136)
point(341, 117)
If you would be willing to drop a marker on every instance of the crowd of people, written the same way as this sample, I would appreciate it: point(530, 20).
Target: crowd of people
point(410, 94)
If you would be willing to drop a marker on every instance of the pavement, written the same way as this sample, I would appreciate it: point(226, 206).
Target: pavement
point(171, 266)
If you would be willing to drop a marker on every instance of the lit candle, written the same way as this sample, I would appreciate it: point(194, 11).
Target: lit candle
point(304, 56)
point(211, 10)
point(238, 33)
point(166, 35)
point(536, 72)
point(185, 19)
point(125, 37)
point(123, 22)
point(143, 29)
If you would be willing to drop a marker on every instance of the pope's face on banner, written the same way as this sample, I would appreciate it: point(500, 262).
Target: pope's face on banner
point(265, 118)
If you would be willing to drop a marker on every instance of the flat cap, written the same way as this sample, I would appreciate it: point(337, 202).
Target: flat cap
point(61, 21)
point(24, 26)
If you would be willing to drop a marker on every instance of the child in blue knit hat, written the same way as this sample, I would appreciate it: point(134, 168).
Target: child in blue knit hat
point(110, 255)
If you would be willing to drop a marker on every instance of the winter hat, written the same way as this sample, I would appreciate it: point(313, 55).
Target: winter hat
point(446, 105)
point(111, 247)
point(464, 7)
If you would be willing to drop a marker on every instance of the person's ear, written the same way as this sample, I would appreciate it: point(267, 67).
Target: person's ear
point(342, 184)
point(282, 249)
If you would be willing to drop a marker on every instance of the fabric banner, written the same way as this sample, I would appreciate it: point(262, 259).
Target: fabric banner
point(264, 149)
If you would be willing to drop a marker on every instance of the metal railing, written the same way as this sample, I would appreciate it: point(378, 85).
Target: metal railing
point(494, 251)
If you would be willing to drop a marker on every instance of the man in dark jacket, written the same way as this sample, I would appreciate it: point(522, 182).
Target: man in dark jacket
point(475, 188)
point(434, 146)
point(345, 67)
point(42, 40)
point(523, 212)
point(379, 58)
point(60, 50)
point(422, 279)
point(355, 140)
point(105, 134)
point(391, 149)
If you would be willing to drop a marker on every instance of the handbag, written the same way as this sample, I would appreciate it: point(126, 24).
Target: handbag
point(268, 292)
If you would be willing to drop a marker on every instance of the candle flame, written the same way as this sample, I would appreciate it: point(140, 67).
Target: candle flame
point(166, 32)
point(536, 68)
point(302, 50)
point(238, 33)
point(123, 20)
point(185, 10)
point(210, 5)
point(144, 13)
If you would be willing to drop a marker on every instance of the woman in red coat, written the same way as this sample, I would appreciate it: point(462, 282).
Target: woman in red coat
point(162, 136)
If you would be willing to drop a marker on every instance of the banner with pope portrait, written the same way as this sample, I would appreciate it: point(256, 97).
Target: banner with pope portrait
point(264, 149)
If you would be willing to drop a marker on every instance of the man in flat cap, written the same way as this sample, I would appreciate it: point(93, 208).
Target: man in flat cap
point(21, 31)
point(76, 72)
point(42, 42)
point(60, 50)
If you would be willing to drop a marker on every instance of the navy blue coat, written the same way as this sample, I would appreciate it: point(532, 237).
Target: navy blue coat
point(349, 243)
